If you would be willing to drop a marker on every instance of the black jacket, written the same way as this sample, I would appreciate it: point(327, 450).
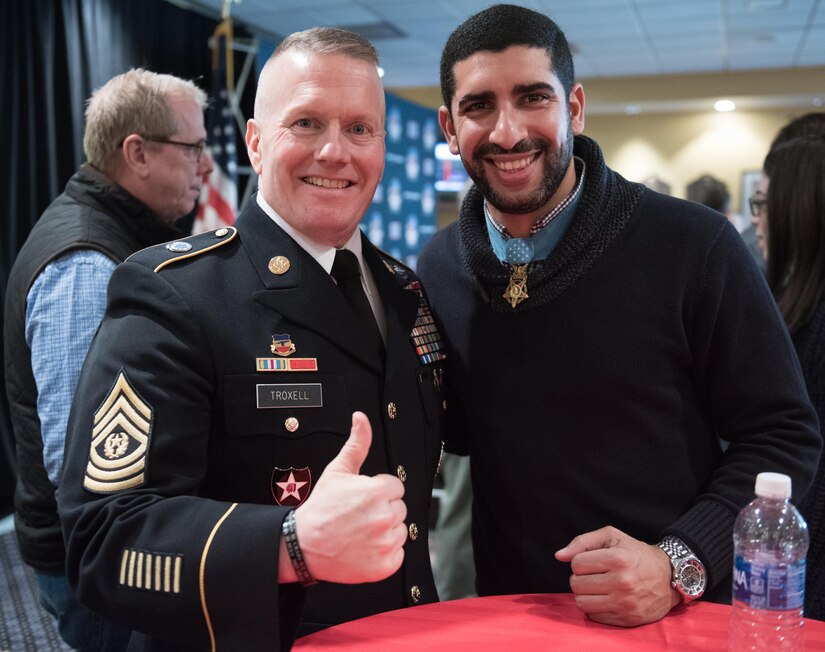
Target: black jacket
point(92, 213)
point(196, 481)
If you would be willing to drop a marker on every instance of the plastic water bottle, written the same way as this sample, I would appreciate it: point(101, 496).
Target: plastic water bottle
point(770, 541)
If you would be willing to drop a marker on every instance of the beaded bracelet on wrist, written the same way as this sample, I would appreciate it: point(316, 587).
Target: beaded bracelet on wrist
point(294, 551)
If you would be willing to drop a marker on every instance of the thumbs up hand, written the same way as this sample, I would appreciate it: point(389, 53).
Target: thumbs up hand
point(355, 449)
point(351, 528)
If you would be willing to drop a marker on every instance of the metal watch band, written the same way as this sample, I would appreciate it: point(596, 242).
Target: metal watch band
point(682, 560)
point(674, 548)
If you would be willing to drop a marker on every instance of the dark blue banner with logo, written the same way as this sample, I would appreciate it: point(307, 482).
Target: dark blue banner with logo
point(401, 217)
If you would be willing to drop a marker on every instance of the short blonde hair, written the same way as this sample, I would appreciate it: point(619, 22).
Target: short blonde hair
point(135, 102)
point(322, 41)
point(329, 40)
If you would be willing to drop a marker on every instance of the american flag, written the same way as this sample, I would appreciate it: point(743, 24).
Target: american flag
point(219, 196)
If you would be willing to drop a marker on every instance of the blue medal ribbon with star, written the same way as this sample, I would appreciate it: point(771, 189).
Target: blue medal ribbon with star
point(518, 253)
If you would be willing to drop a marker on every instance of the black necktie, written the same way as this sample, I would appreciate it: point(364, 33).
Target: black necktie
point(347, 274)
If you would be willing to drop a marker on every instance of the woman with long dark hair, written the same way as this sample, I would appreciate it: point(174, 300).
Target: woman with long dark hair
point(788, 211)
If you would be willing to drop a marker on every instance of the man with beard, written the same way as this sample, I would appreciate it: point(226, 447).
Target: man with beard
point(592, 328)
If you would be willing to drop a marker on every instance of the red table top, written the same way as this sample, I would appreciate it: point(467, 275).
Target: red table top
point(530, 622)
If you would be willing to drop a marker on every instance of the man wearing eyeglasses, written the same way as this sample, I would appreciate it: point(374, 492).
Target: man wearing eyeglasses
point(144, 143)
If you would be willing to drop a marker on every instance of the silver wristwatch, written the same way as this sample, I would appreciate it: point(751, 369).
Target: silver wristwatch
point(688, 577)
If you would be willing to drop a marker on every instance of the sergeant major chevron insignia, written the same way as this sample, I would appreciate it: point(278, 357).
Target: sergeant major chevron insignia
point(121, 430)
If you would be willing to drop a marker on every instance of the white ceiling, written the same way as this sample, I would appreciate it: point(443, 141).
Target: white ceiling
point(611, 38)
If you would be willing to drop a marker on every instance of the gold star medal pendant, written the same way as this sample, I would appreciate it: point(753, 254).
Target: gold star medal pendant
point(518, 254)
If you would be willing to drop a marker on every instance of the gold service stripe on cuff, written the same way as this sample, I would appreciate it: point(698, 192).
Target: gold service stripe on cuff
point(203, 570)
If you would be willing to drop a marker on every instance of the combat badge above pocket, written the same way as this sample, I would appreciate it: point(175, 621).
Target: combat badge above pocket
point(121, 431)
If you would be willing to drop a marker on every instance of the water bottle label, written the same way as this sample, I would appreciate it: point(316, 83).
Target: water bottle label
point(769, 585)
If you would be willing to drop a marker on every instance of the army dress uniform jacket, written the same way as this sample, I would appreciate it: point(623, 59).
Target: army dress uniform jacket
point(220, 384)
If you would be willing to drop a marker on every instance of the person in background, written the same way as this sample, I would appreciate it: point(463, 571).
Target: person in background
point(454, 569)
point(714, 194)
point(144, 142)
point(256, 431)
point(788, 211)
point(596, 358)
point(808, 124)
point(710, 192)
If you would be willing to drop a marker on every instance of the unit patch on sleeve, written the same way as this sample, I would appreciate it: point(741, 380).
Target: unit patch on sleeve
point(121, 431)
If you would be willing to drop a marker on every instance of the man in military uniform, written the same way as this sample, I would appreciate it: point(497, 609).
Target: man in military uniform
point(242, 379)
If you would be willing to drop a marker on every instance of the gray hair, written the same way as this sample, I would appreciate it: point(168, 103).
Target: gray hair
point(135, 102)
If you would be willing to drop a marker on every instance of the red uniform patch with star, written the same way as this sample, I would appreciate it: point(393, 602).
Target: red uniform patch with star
point(290, 487)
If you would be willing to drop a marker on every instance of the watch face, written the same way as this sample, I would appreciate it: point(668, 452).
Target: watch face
point(691, 578)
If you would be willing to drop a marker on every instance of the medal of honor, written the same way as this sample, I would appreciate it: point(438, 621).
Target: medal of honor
point(516, 291)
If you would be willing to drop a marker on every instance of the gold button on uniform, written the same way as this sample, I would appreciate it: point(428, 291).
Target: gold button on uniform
point(392, 410)
point(401, 472)
point(413, 531)
point(415, 593)
point(291, 424)
point(279, 265)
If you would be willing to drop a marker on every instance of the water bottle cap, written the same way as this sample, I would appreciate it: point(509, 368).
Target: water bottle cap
point(773, 485)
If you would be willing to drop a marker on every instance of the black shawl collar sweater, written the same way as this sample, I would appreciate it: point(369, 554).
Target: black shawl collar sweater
point(649, 334)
